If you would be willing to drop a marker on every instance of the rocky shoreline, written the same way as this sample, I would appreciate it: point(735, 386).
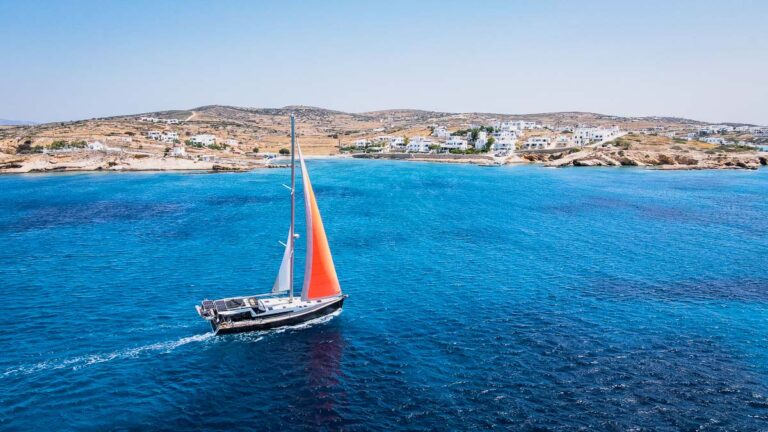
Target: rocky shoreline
point(20, 164)
point(596, 157)
point(669, 160)
point(591, 157)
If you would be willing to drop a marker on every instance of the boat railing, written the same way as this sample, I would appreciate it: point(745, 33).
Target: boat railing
point(252, 296)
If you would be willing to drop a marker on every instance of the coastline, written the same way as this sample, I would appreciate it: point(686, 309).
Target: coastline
point(22, 164)
point(660, 160)
point(592, 157)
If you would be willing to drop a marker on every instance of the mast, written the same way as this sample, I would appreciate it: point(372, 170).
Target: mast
point(293, 201)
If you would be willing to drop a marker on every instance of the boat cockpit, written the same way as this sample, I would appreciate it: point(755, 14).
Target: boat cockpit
point(231, 309)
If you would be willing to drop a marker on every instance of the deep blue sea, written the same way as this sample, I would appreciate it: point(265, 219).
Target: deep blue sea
point(519, 298)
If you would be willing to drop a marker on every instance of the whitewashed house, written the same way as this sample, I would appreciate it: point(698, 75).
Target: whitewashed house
point(563, 141)
point(600, 134)
point(713, 129)
point(169, 137)
point(178, 151)
point(504, 141)
point(714, 140)
point(454, 143)
point(517, 125)
point(397, 144)
point(582, 136)
point(204, 139)
point(585, 135)
point(154, 135)
point(537, 143)
point(481, 141)
point(361, 143)
point(441, 132)
point(506, 126)
point(172, 121)
point(418, 145)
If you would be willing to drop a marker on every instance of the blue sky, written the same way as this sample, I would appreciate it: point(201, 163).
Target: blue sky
point(706, 60)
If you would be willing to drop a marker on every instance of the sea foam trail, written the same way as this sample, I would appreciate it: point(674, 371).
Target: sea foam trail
point(80, 362)
point(83, 361)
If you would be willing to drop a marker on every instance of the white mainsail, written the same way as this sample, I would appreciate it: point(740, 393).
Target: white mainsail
point(283, 279)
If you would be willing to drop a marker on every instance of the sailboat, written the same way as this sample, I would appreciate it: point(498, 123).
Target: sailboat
point(321, 292)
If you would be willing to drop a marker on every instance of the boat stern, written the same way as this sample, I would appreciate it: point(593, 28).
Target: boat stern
point(206, 310)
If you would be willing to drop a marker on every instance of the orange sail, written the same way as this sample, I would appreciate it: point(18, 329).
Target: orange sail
point(320, 278)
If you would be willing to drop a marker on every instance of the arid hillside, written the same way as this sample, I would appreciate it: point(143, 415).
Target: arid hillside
point(321, 131)
point(243, 136)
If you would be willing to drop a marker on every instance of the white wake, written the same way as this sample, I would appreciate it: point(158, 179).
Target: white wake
point(80, 362)
point(76, 363)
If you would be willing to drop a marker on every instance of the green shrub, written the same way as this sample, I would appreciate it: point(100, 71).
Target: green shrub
point(27, 148)
point(284, 151)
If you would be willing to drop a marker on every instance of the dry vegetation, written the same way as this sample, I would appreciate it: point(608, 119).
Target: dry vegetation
point(320, 131)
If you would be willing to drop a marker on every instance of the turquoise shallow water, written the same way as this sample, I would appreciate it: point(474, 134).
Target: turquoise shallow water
point(519, 297)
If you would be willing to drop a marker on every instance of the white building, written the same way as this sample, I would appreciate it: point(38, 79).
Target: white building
point(441, 132)
point(178, 151)
point(586, 135)
point(397, 143)
point(714, 140)
point(504, 142)
point(454, 143)
point(204, 139)
point(714, 129)
point(515, 125)
point(505, 126)
point(362, 143)
point(154, 135)
point(418, 145)
point(169, 137)
point(600, 134)
point(504, 139)
point(504, 134)
point(481, 141)
point(537, 143)
point(563, 141)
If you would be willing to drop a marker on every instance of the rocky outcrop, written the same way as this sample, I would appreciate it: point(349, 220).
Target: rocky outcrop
point(100, 162)
point(664, 160)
